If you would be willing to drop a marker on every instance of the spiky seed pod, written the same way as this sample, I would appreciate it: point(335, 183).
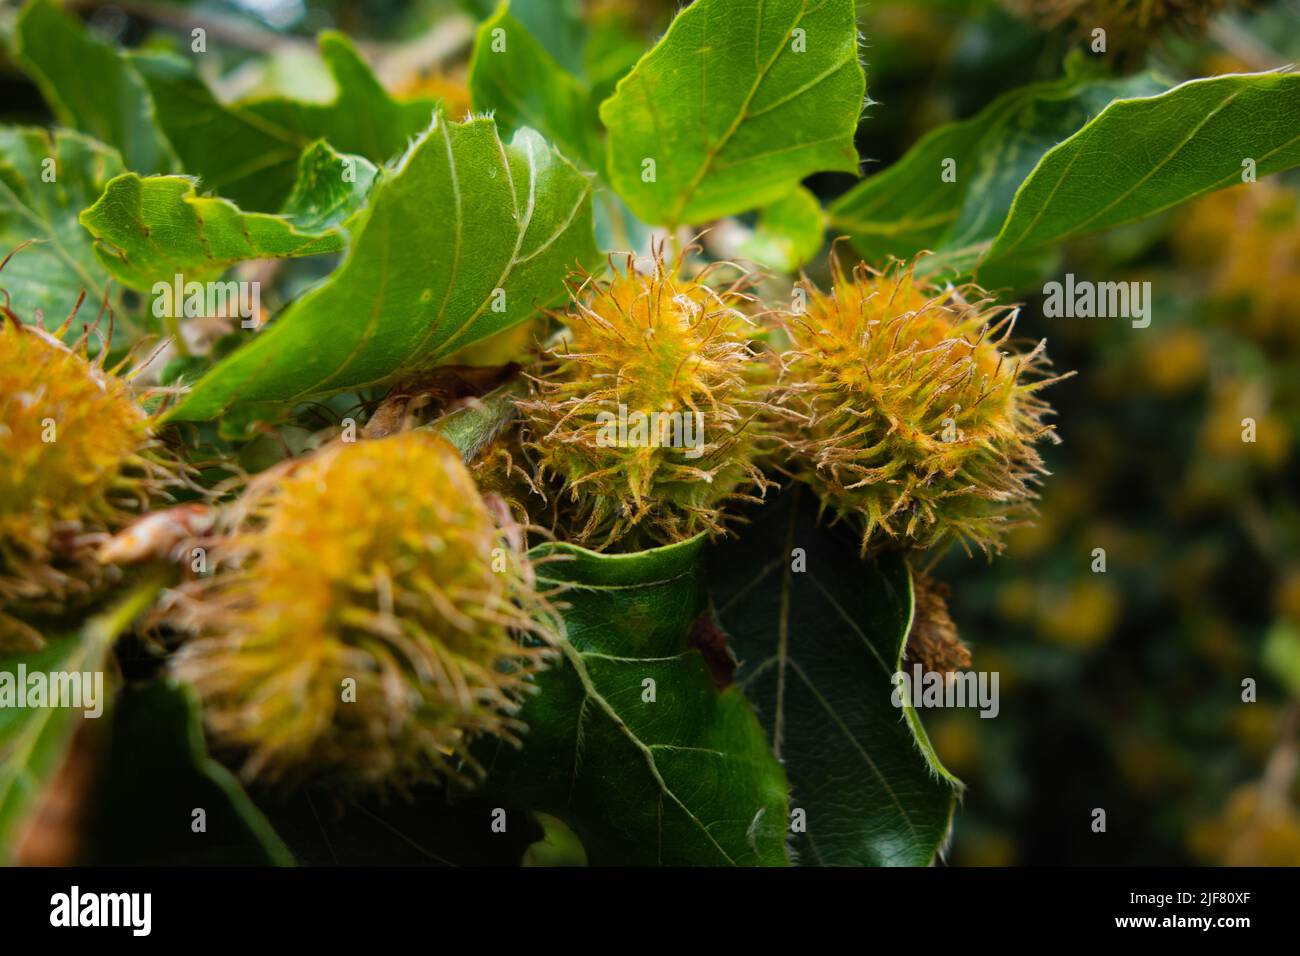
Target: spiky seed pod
point(76, 460)
point(913, 420)
point(671, 358)
point(933, 641)
point(366, 619)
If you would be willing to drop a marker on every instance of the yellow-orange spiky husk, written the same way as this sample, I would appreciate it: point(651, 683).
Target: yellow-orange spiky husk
point(652, 343)
point(77, 460)
point(912, 418)
point(366, 621)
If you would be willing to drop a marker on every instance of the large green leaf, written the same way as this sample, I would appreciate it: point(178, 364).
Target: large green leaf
point(150, 229)
point(818, 643)
point(90, 86)
point(789, 232)
point(60, 264)
point(909, 207)
point(558, 25)
point(248, 151)
point(466, 238)
point(34, 740)
point(1144, 155)
point(685, 778)
point(157, 773)
point(739, 101)
point(513, 76)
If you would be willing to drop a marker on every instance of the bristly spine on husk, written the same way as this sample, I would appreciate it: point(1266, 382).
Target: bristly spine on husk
point(648, 343)
point(78, 460)
point(911, 417)
point(378, 562)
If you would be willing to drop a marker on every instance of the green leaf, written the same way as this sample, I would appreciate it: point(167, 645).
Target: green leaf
point(789, 232)
point(150, 229)
point(523, 85)
point(558, 25)
point(817, 649)
point(248, 151)
point(559, 846)
point(463, 227)
point(909, 207)
point(157, 774)
point(49, 274)
point(731, 113)
point(89, 86)
point(512, 75)
point(613, 46)
point(516, 78)
point(34, 740)
point(326, 828)
point(1281, 655)
point(330, 189)
point(1141, 156)
point(684, 779)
